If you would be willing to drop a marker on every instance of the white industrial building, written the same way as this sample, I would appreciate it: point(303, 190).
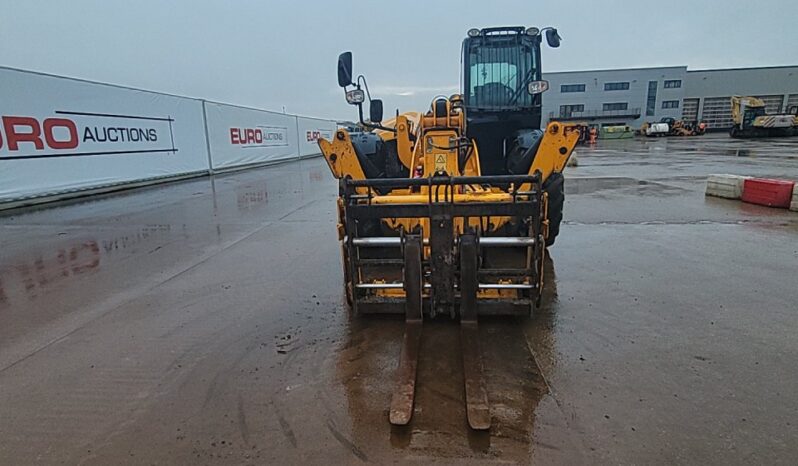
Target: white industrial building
point(635, 95)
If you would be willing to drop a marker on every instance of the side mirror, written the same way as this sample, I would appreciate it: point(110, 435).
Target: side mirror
point(553, 38)
point(345, 69)
point(375, 111)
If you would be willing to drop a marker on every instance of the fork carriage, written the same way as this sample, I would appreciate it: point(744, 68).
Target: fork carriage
point(503, 231)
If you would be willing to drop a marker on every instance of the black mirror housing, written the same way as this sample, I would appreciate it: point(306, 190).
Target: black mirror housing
point(345, 69)
point(375, 111)
point(553, 38)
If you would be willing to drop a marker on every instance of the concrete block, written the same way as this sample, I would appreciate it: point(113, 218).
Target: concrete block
point(794, 203)
point(726, 186)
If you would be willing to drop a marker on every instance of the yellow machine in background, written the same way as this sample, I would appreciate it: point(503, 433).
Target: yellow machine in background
point(751, 120)
point(669, 126)
point(449, 212)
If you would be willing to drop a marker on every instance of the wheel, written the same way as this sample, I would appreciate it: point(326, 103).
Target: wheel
point(555, 187)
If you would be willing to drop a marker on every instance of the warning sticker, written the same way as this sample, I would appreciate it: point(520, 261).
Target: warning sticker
point(440, 162)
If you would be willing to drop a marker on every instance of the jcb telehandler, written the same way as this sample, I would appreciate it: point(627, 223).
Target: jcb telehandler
point(450, 212)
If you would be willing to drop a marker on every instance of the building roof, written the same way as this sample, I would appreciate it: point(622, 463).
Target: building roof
point(744, 68)
point(645, 68)
point(612, 70)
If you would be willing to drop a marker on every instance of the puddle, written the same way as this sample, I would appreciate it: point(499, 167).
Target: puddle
point(622, 184)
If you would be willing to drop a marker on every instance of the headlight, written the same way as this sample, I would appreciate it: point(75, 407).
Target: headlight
point(473, 32)
point(355, 96)
point(533, 31)
point(537, 87)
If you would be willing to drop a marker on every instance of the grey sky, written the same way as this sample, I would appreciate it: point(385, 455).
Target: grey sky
point(270, 54)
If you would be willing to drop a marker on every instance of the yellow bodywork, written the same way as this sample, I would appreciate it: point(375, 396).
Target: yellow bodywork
point(433, 153)
point(737, 106)
point(429, 145)
point(405, 125)
point(341, 157)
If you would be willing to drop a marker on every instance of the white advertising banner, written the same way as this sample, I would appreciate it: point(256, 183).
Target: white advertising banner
point(310, 130)
point(60, 135)
point(243, 136)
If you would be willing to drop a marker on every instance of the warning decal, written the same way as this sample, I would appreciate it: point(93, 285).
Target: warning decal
point(440, 162)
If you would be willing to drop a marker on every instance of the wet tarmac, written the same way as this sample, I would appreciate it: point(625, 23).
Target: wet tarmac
point(203, 322)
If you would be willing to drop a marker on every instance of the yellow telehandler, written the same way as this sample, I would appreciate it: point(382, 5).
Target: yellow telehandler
point(449, 211)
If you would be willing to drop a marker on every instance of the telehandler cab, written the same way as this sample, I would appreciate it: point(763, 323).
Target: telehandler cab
point(449, 212)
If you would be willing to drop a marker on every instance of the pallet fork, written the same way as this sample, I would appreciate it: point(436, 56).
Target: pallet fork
point(477, 409)
point(443, 267)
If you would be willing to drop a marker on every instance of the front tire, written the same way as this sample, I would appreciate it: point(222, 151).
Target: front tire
point(555, 187)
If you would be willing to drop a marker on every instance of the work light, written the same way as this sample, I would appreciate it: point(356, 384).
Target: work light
point(355, 96)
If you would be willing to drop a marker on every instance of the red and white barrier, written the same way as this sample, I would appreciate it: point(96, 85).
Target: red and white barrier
point(761, 191)
point(770, 193)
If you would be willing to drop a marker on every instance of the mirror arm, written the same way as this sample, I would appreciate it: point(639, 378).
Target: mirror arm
point(360, 107)
point(365, 85)
point(372, 125)
point(360, 113)
point(384, 128)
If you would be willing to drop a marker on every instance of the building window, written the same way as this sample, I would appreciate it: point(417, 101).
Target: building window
point(673, 83)
point(567, 110)
point(616, 86)
point(651, 101)
point(572, 88)
point(615, 106)
point(670, 104)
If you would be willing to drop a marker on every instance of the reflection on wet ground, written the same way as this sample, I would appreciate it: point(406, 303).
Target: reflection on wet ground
point(621, 186)
point(368, 357)
point(203, 322)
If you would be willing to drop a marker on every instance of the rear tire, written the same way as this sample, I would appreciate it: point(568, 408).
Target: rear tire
point(555, 187)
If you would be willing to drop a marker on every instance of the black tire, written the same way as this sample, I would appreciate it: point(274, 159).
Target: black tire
point(555, 187)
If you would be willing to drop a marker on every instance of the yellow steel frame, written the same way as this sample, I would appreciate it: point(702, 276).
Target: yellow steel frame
point(435, 151)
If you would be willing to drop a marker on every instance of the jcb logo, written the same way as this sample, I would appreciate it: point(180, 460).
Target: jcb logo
point(55, 133)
